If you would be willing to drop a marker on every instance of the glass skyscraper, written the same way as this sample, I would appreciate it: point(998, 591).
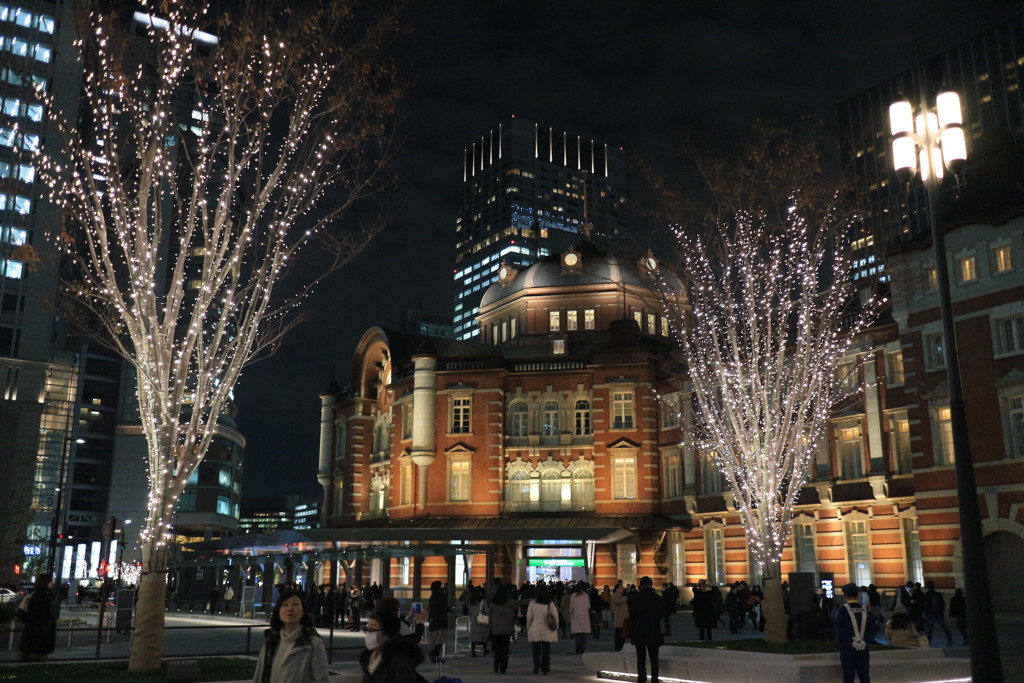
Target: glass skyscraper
point(528, 191)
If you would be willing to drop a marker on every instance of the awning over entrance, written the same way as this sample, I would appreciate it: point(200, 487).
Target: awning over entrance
point(437, 535)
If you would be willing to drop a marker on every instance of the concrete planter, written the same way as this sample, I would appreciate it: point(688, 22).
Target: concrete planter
point(918, 665)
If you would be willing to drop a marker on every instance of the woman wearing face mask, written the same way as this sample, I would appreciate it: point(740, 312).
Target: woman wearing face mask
point(388, 657)
point(293, 652)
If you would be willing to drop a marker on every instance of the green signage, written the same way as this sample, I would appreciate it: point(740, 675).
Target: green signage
point(556, 562)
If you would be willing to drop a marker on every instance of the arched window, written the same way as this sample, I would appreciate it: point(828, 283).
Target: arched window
point(551, 419)
point(517, 491)
point(582, 490)
point(550, 490)
point(520, 422)
point(581, 414)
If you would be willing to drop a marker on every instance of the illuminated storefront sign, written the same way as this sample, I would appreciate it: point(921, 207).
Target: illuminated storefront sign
point(556, 562)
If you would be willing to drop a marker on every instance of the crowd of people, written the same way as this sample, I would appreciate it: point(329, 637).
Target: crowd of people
point(501, 613)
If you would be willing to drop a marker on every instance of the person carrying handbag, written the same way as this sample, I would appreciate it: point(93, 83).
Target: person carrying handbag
point(479, 631)
point(542, 629)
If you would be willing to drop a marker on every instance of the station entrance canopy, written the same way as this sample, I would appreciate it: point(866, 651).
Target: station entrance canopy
point(435, 536)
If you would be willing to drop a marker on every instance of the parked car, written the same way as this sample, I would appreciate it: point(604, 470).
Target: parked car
point(8, 595)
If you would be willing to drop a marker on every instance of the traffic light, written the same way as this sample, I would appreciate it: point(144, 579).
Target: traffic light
point(17, 568)
point(102, 570)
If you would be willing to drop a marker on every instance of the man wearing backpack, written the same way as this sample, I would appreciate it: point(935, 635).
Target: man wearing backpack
point(855, 630)
point(935, 612)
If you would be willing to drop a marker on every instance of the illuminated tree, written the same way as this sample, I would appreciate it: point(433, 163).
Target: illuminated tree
point(206, 162)
point(771, 317)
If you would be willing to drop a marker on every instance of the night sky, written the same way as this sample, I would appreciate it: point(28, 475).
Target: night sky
point(630, 73)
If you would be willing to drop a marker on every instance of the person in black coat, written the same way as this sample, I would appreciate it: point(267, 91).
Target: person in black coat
point(38, 612)
point(704, 616)
point(646, 610)
point(670, 594)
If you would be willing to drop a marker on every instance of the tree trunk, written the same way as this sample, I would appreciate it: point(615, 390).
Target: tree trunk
point(148, 637)
point(774, 606)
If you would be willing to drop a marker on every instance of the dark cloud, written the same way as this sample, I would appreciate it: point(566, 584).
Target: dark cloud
point(633, 74)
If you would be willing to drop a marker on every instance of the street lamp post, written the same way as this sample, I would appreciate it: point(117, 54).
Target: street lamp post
point(931, 141)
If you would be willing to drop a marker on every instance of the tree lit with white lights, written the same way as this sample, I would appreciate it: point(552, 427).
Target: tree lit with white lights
point(208, 163)
point(771, 317)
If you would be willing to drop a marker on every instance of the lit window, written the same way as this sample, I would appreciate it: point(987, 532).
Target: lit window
point(652, 326)
point(804, 548)
point(459, 480)
point(224, 477)
point(849, 449)
point(46, 24)
point(570, 320)
point(894, 368)
point(461, 413)
point(639, 318)
point(673, 476)
point(935, 356)
point(22, 17)
point(554, 321)
point(558, 347)
point(405, 494)
point(899, 441)
point(513, 331)
point(664, 326)
point(520, 422)
point(859, 548)
point(223, 505)
point(622, 410)
point(504, 330)
point(551, 426)
point(1002, 259)
point(944, 433)
point(13, 270)
point(11, 106)
point(624, 474)
point(407, 421)
point(931, 279)
point(710, 477)
point(714, 555)
point(1010, 334)
point(581, 415)
point(22, 205)
point(588, 319)
point(912, 543)
point(26, 173)
point(967, 269)
point(42, 53)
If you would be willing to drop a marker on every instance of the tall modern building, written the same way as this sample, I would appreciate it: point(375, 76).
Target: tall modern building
point(39, 381)
point(529, 191)
point(987, 72)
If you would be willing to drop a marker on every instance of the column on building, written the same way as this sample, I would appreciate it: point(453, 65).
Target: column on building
point(424, 409)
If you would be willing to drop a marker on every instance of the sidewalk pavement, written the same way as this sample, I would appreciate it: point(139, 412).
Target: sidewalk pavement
point(194, 634)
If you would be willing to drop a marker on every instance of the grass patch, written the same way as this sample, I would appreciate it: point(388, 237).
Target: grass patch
point(792, 647)
point(210, 669)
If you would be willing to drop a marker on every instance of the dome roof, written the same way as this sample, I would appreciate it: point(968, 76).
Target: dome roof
point(596, 268)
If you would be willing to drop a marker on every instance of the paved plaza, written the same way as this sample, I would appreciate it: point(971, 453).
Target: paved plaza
point(201, 634)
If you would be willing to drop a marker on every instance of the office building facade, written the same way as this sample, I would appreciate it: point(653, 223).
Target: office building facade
point(987, 72)
point(530, 191)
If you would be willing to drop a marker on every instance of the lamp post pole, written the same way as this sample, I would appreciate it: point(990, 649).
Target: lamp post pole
point(928, 142)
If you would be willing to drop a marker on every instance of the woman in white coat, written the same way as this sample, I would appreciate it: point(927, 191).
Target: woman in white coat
point(579, 616)
point(542, 628)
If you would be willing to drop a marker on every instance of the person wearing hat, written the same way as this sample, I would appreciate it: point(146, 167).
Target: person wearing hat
point(855, 630)
point(389, 657)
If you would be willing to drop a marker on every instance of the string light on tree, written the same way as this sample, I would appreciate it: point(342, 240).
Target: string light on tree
point(770, 317)
point(181, 228)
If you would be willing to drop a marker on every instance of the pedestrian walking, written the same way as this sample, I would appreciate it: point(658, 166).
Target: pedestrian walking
point(437, 620)
point(293, 651)
point(389, 656)
point(39, 614)
point(670, 594)
point(620, 616)
point(542, 629)
point(646, 610)
point(579, 616)
point(229, 596)
point(958, 611)
point(935, 612)
point(212, 599)
point(703, 606)
point(501, 611)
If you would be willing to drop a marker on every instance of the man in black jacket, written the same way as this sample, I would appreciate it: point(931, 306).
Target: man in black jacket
point(670, 594)
point(646, 610)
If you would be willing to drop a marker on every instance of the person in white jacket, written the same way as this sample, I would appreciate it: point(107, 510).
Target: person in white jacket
point(542, 628)
point(579, 616)
point(293, 651)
